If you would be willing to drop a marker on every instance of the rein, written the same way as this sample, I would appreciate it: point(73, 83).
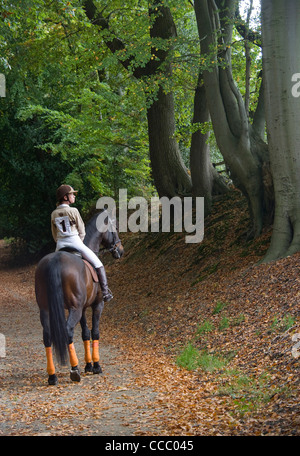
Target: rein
point(112, 249)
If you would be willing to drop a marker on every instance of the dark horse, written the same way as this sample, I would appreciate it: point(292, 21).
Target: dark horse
point(64, 281)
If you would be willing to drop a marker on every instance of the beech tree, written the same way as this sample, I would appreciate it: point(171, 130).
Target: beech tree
point(240, 141)
point(206, 181)
point(264, 172)
point(168, 170)
point(97, 121)
point(281, 60)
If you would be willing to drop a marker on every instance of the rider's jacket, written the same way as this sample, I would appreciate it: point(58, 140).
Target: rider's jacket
point(66, 221)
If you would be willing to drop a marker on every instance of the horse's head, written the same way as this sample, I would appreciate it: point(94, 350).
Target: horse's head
point(112, 242)
point(102, 230)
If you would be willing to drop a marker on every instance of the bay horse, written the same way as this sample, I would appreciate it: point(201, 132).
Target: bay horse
point(63, 281)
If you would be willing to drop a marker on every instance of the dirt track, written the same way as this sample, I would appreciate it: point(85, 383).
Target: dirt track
point(142, 391)
point(108, 404)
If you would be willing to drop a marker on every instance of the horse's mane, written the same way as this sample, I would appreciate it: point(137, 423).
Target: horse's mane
point(91, 228)
point(93, 234)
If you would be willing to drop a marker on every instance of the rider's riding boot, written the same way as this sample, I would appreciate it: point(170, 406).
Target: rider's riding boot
point(107, 295)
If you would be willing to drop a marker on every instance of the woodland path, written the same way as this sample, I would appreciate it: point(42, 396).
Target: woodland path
point(141, 391)
point(109, 404)
point(160, 304)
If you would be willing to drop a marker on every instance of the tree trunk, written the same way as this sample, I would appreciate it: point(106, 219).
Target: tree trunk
point(243, 152)
point(206, 181)
point(281, 59)
point(168, 170)
point(200, 163)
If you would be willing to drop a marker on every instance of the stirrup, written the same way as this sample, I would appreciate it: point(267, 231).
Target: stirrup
point(107, 296)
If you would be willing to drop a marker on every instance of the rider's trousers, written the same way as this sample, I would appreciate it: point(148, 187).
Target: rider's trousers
point(76, 243)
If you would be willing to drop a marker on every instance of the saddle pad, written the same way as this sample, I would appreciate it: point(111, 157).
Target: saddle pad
point(92, 271)
point(71, 250)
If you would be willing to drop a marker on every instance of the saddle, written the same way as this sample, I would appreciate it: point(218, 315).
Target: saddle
point(87, 263)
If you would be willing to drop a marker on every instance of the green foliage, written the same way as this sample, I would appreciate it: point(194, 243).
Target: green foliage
point(282, 324)
point(64, 119)
point(73, 114)
point(219, 307)
point(224, 323)
point(191, 359)
point(248, 392)
point(28, 180)
point(188, 358)
point(206, 327)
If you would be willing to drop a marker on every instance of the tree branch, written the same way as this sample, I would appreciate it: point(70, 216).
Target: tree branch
point(259, 118)
point(248, 60)
point(232, 98)
point(116, 45)
point(244, 30)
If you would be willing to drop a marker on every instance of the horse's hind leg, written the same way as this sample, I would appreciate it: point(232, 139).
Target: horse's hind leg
point(86, 337)
point(52, 379)
point(73, 319)
point(97, 310)
point(74, 372)
point(44, 317)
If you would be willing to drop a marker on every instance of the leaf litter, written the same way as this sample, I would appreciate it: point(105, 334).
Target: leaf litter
point(168, 294)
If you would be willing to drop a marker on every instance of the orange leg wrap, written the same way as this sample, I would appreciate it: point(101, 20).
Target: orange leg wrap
point(95, 346)
point(87, 351)
point(73, 356)
point(50, 363)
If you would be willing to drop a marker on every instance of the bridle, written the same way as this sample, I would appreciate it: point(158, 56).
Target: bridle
point(114, 249)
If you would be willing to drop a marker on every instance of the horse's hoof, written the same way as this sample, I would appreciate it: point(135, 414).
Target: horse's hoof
point(88, 368)
point(52, 380)
point(97, 368)
point(75, 374)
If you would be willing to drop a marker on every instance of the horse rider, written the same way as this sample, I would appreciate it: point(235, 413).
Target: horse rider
point(68, 230)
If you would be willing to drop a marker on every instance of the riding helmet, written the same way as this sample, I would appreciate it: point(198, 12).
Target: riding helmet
point(64, 190)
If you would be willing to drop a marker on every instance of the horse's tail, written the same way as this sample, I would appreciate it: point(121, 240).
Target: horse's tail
point(55, 294)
